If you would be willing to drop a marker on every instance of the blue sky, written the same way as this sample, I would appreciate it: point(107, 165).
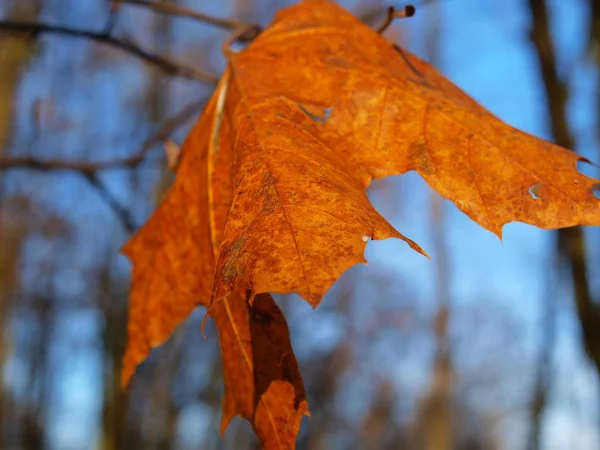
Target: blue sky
point(484, 49)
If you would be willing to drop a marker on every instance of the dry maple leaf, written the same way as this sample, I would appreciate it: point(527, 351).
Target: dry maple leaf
point(171, 254)
point(321, 105)
point(299, 218)
point(269, 195)
point(262, 381)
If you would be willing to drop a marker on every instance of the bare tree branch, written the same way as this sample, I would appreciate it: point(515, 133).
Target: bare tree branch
point(28, 162)
point(594, 39)
point(167, 128)
point(90, 170)
point(113, 17)
point(119, 209)
point(166, 65)
point(176, 10)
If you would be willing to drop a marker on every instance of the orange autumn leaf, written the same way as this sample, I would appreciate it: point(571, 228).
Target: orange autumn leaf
point(299, 218)
point(345, 106)
point(262, 380)
point(270, 191)
point(171, 254)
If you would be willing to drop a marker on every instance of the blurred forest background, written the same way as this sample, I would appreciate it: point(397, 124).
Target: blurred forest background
point(489, 346)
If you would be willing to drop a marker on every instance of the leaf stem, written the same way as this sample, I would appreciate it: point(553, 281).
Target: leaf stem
point(391, 14)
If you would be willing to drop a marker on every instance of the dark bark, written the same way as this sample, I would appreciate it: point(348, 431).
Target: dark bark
point(570, 243)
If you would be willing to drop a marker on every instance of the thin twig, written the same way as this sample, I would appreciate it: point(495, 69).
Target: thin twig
point(164, 64)
point(113, 17)
point(119, 209)
point(594, 39)
point(90, 170)
point(177, 10)
point(168, 127)
point(28, 162)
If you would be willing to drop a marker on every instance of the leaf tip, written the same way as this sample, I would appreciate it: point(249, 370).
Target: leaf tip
point(498, 232)
point(126, 375)
point(204, 322)
point(126, 249)
point(134, 356)
point(173, 154)
point(251, 297)
point(416, 247)
point(305, 411)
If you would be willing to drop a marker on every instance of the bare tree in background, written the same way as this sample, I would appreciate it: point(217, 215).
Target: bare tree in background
point(542, 387)
point(155, 412)
point(571, 247)
point(571, 243)
point(436, 416)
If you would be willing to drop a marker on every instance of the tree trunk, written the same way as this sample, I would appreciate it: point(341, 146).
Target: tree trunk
point(15, 54)
point(435, 422)
point(570, 243)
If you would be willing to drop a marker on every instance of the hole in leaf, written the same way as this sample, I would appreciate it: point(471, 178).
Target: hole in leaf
point(314, 115)
point(596, 190)
point(588, 169)
point(534, 191)
point(237, 46)
point(240, 39)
